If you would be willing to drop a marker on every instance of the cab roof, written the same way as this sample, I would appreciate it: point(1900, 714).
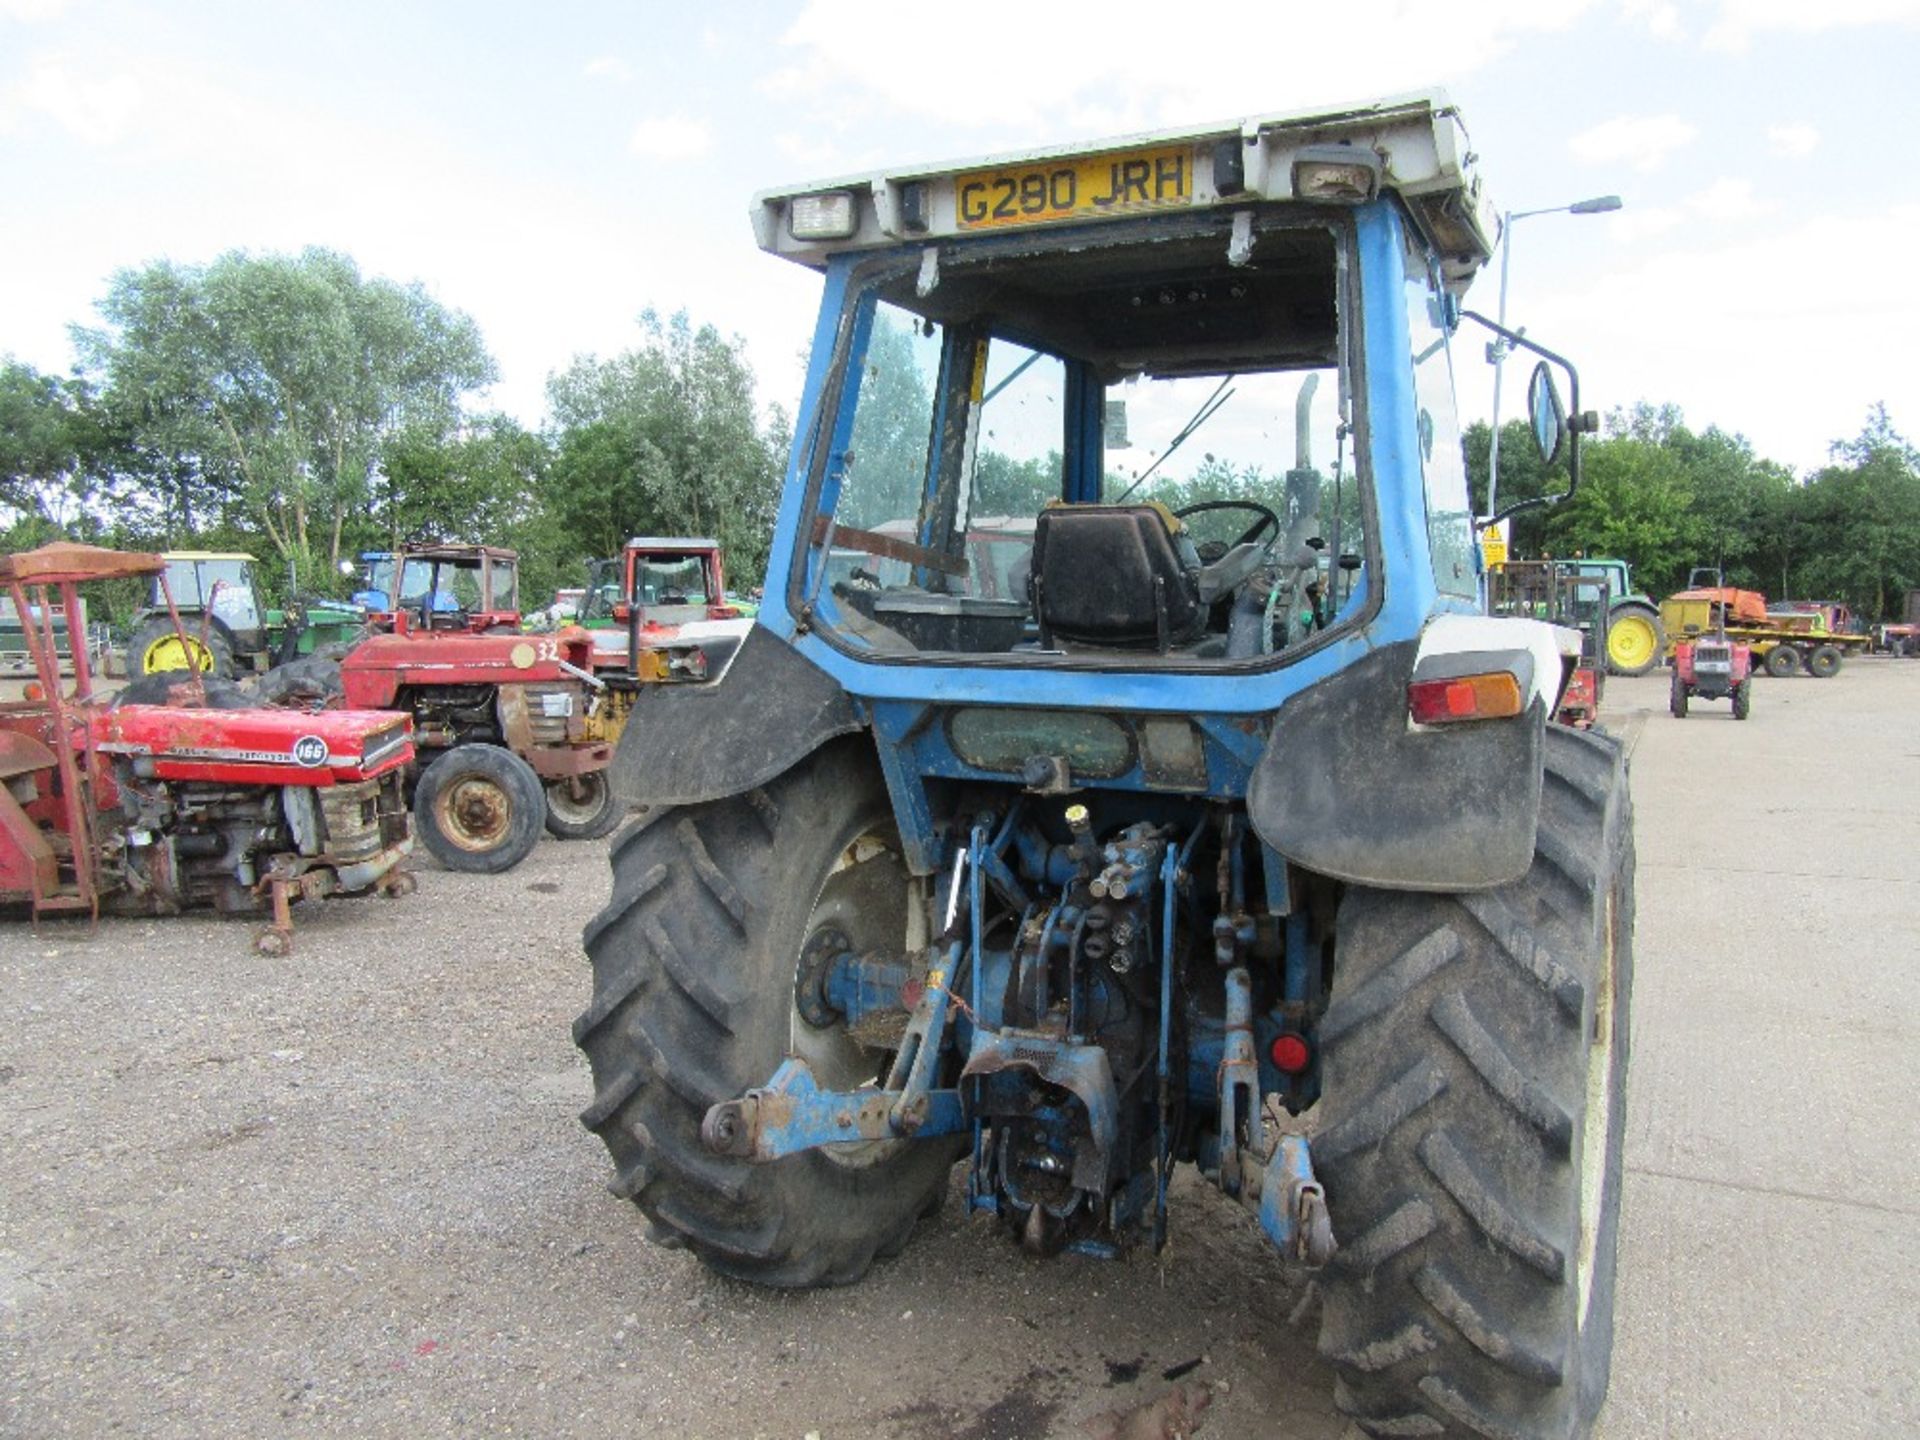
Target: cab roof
point(671, 542)
point(1415, 146)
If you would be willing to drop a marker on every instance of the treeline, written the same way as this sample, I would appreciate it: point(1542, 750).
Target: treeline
point(293, 408)
point(1667, 498)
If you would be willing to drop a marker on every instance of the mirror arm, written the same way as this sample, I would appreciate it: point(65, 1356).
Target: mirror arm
point(1576, 419)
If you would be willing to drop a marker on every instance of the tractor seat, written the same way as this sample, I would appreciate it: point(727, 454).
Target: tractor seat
point(1114, 576)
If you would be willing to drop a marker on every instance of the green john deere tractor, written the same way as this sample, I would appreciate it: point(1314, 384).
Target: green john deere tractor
point(224, 626)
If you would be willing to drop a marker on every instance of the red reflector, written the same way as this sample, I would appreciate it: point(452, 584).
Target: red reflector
point(1464, 697)
point(1290, 1054)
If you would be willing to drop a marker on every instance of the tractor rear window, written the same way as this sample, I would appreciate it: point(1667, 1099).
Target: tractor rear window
point(1140, 454)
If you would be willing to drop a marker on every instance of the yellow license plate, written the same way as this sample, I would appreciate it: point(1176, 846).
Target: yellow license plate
point(1076, 189)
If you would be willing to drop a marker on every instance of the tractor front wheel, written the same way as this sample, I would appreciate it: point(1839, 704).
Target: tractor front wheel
point(478, 808)
point(1782, 661)
point(1824, 663)
point(1743, 698)
point(583, 807)
point(1634, 639)
point(1474, 1059)
point(156, 647)
point(1677, 697)
point(696, 959)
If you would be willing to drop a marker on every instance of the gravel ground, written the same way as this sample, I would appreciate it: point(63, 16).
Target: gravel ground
point(345, 1193)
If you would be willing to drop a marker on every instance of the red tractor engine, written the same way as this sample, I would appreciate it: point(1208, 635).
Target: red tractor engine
point(1712, 667)
point(134, 807)
point(511, 727)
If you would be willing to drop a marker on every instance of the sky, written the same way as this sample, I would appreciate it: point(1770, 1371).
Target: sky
point(555, 170)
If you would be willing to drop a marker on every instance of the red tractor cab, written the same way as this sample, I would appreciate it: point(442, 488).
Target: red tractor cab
point(660, 613)
point(178, 791)
point(445, 586)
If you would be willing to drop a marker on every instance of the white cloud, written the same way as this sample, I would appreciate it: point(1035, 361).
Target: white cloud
point(95, 108)
point(1642, 142)
point(1631, 226)
point(1729, 200)
point(671, 137)
point(608, 67)
point(1793, 140)
point(1720, 306)
point(816, 155)
point(1089, 57)
point(1661, 17)
point(1740, 21)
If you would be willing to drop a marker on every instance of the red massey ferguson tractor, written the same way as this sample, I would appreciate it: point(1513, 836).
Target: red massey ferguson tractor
point(511, 731)
point(178, 792)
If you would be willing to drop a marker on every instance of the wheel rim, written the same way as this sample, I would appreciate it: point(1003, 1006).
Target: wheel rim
point(1630, 642)
point(1596, 1149)
point(838, 1061)
point(175, 652)
point(474, 814)
point(579, 799)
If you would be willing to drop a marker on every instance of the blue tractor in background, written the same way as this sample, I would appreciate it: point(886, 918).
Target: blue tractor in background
point(1218, 827)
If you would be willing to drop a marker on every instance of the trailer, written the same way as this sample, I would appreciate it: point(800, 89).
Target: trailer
point(1782, 642)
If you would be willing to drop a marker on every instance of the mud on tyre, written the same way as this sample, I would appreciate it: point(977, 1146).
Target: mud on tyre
point(695, 959)
point(1474, 1059)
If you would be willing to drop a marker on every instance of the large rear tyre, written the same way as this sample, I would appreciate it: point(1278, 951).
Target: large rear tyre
point(1474, 1056)
point(1782, 661)
point(478, 809)
point(695, 960)
point(156, 647)
point(175, 688)
point(1635, 639)
point(310, 683)
point(1824, 662)
point(583, 807)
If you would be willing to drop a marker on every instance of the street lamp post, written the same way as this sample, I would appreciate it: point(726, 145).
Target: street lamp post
point(1497, 352)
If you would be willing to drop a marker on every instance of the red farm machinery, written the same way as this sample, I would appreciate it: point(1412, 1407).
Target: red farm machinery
point(179, 792)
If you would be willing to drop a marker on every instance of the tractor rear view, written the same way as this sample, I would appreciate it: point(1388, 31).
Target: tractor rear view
point(1142, 846)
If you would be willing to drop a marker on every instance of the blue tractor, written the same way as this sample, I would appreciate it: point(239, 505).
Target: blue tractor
point(1218, 827)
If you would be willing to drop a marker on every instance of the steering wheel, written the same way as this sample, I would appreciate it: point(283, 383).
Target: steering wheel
point(1267, 521)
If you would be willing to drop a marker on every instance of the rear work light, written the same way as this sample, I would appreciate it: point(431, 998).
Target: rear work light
point(1491, 696)
point(830, 215)
point(1341, 174)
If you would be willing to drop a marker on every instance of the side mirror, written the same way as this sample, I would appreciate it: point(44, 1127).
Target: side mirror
point(1546, 414)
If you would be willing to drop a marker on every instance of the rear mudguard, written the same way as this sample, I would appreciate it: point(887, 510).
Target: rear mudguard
point(687, 744)
point(1349, 787)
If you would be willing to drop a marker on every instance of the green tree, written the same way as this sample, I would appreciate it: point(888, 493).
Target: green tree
point(663, 439)
point(1862, 516)
point(52, 454)
point(1635, 502)
point(264, 391)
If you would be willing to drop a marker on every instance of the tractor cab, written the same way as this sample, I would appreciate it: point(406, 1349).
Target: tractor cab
point(660, 610)
point(472, 588)
point(1121, 760)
